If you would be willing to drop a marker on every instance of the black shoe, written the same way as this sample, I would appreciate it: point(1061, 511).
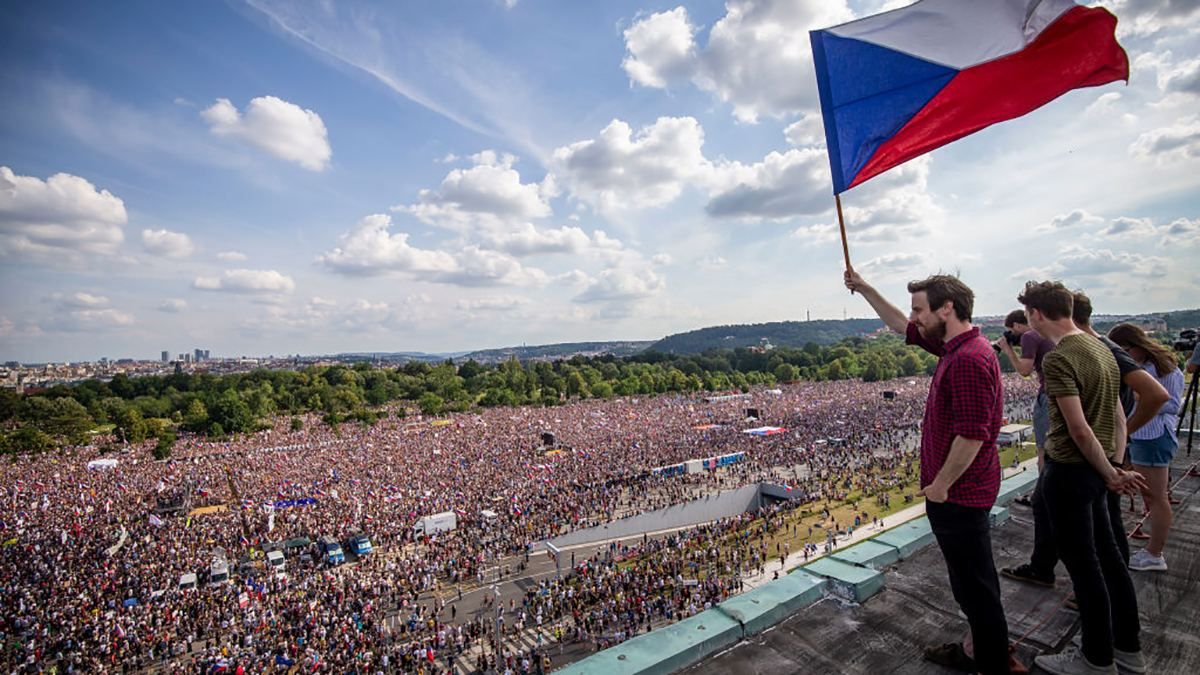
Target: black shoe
point(951, 655)
point(1026, 573)
point(1023, 500)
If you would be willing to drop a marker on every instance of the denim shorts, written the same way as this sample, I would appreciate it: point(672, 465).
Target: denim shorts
point(1041, 419)
point(1157, 452)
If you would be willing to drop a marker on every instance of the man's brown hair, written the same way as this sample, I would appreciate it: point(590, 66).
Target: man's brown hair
point(1014, 317)
point(942, 287)
point(1081, 310)
point(1050, 298)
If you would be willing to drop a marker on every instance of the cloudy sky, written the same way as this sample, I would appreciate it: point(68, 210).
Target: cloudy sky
point(277, 177)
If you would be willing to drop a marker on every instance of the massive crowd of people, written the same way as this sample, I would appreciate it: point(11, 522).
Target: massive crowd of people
point(89, 572)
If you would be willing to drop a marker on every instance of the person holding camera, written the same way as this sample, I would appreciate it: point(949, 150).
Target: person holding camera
point(1152, 447)
point(1087, 430)
point(960, 467)
point(1033, 349)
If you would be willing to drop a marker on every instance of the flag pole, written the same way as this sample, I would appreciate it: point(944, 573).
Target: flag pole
point(842, 226)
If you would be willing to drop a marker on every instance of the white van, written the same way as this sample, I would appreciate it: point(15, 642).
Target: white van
point(276, 562)
point(218, 572)
point(187, 581)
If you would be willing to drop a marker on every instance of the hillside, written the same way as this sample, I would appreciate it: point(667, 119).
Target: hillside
point(563, 350)
point(778, 333)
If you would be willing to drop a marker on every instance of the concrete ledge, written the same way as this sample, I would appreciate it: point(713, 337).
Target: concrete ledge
point(845, 580)
point(998, 515)
point(908, 538)
point(771, 603)
point(870, 553)
point(665, 650)
point(1014, 487)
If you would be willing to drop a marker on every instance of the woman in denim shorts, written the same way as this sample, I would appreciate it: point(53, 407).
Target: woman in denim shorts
point(1152, 447)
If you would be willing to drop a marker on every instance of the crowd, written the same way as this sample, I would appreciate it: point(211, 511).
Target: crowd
point(89, 571)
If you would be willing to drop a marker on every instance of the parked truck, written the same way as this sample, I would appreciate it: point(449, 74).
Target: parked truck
point(332, 550)
point(438, 522)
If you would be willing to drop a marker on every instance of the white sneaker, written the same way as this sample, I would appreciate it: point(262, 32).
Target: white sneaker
point(1145, 561)
point(1071, 661)
point(1129, 662)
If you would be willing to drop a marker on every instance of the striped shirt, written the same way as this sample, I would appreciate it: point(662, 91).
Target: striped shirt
point(1168, 415)
point(965, 399)
point(1082, 366)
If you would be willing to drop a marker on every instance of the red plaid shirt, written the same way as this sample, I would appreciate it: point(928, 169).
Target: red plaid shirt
point(966, 399)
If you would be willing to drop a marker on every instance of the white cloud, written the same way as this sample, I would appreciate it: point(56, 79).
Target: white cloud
point(526, 240)
point(1126, 227)
point(94, 319)
point(757, 59)
point(59, 218)
point(1181, 232)
point(892, 263)
point(278, 127)
point(81, 300)
point(1178, 141)
point(231, 256)
point(619, 284)
point(497, 303)
point(1149, 17)
point(1075, 262)
point(661, 259)
point(661, 49)
point(83, 311)
point(1104, 104)
point(247, 281)
point(618, 170)
point(807, 132)
point(1076, 218)
point(167, 244)
point(712, 262)
point(486, 195)
point(370, 249)
point(783, 185)
point(172, 306)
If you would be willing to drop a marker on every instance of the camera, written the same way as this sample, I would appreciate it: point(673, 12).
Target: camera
point(1012, 338)
point(1186, 342)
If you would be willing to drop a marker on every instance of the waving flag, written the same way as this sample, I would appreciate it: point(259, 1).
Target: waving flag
point(896, 85)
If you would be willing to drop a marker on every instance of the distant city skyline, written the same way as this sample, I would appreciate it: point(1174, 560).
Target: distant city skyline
point(266, 177)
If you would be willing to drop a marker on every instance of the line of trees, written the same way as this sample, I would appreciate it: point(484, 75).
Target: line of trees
point(137, 409)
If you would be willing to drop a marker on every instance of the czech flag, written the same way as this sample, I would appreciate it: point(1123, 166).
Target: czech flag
point(896, 85)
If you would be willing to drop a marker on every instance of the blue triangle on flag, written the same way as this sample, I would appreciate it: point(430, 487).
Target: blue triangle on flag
point(868, 93)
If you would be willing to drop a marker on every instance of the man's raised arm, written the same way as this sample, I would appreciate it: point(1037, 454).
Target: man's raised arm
point(891, 315)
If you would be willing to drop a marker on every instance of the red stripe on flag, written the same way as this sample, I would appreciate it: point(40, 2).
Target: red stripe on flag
point(1078, 50)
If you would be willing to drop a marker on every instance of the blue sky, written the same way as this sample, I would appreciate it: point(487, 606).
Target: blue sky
point(285, 177)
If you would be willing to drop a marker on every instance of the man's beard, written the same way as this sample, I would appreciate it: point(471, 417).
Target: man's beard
point(935, 334)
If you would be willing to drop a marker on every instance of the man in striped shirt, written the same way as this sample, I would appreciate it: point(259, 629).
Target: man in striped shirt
point(1087, 429)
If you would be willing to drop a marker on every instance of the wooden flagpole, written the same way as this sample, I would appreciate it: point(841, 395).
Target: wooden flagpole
point(842, 226)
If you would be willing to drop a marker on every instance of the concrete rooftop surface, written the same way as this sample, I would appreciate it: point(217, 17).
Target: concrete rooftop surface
point(914, 608)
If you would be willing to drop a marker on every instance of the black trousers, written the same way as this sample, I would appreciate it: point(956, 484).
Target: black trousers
point(965, 537)
point(1045, 551)
point(1078, 505)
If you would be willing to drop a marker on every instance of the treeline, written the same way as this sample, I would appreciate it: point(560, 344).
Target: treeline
point(137, 409)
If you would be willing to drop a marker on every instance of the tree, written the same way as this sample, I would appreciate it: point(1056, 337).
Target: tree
point(786, 372)
point(196, 417)
point(69, 421)
point(232, 413)
point(27, 441)
point(166, 441)
point(297, 424)
point(430, 403)
point(131, 428)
